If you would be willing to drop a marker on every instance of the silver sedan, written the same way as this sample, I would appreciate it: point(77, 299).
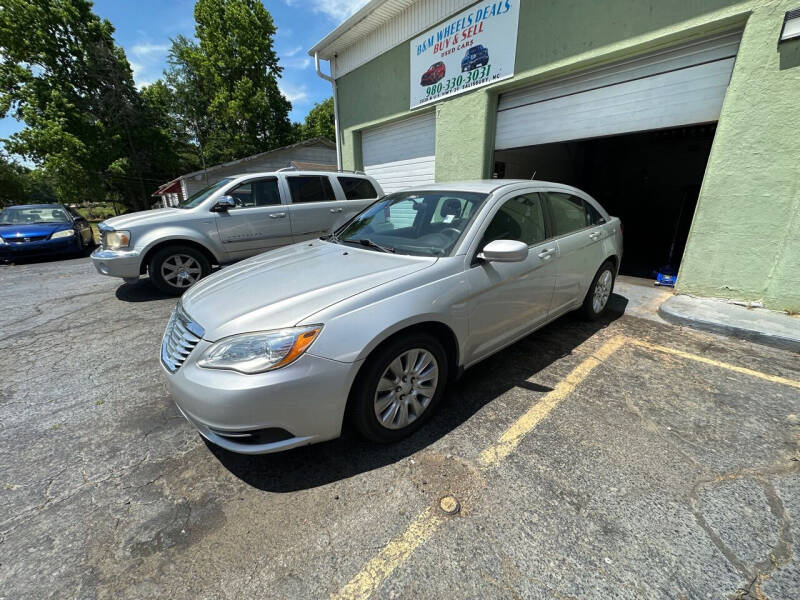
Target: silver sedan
point(373, 321)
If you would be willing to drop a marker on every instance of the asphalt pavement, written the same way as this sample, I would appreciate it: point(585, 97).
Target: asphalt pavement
point(628, 458)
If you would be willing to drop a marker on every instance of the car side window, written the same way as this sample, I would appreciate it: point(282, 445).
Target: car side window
point(520, 219)
point(260, 192)
point(356, 188)
point(310, 188)
point(569, 213)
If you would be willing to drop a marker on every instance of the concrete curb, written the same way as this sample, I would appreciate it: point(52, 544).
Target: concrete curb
point(762, 326)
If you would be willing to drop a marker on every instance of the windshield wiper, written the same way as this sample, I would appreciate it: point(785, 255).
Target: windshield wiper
point(370, 244)
point(331, 237)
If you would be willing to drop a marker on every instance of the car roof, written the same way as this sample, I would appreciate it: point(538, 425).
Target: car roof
point(298, 172)
point(484, 186)
point(35, 206)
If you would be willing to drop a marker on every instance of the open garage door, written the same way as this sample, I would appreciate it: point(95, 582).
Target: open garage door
point(402, 154)
point(680, 86)
point(636, 136)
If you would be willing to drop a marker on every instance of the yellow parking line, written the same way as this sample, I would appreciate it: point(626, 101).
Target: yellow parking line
point(398, 550)
point(717, 363)
point(391, 556)
point(539, 411)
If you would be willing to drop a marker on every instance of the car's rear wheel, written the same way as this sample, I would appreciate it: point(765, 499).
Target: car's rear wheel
point(596, 301)
point(399, 387)
point(175, 269)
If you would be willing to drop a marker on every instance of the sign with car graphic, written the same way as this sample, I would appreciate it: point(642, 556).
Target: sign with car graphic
point(471, 49)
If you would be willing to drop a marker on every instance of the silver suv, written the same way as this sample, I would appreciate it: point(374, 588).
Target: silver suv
point(232, 219)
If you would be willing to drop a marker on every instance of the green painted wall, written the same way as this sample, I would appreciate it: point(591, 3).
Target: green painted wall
point(745, 240)
point(745, 237)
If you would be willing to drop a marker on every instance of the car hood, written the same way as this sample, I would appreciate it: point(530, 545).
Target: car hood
point(282, 287)
point(9, 232)
point(144, 217)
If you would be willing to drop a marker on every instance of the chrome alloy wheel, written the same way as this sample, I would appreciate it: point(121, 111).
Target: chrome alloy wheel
point(406, 388)
point(602, 290)
point(181, 270)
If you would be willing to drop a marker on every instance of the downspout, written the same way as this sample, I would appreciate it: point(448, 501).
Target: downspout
point(335, 108)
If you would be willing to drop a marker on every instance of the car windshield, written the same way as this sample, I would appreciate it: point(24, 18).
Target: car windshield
point(197, 198)
point(417, 223)
point(30, 215)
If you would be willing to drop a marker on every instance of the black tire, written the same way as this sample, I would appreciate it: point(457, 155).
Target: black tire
point(170, 254)
point(589, 310)
point(363, 395)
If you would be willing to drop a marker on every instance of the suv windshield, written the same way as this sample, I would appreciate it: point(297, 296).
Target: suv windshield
point(197, 198)
point(27, 216)
point(418, 223)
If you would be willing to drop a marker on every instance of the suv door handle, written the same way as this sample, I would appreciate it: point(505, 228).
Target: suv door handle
point(336, 210)
point(277, 215)
point(546, 253)
point(595, 235)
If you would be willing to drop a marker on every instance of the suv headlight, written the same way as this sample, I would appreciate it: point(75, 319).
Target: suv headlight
point(262, 351)
point(118, 239)
point(62, 234)
point(2, 242)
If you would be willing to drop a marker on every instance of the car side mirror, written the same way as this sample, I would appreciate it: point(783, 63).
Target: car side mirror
point(504, 251)
point(224, 203)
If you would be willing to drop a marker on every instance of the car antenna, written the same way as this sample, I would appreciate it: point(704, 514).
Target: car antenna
point(533, 176)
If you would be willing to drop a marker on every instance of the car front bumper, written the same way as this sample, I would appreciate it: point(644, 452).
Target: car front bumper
point(306, 400)
point(56, 247)
point(117, 263)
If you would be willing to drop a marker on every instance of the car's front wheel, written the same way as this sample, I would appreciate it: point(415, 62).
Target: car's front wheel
point(596, 301)
point(399, 387)
point(175, 269)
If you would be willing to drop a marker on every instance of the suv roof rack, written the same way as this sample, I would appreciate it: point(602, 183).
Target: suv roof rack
point(293, 168)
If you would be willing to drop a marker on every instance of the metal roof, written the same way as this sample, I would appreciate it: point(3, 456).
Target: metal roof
point(365, 20)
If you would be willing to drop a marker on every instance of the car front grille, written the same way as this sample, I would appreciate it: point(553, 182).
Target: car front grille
point(25, 240)
point(180, 338)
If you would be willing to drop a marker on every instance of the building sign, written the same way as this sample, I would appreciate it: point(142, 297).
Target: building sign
point(471, 49)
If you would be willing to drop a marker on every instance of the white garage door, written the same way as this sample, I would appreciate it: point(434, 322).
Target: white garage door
point(680, 86)
point(402, 154)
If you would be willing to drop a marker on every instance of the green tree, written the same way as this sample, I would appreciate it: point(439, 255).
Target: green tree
point(86, 124)
point(320, 122)
point(225, 84)
point(12, 182)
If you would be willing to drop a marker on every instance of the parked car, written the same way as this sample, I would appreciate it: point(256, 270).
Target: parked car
point(476, 56)
point(434, 74)
point(374, 320)
point(36, 230)
point(234, 218)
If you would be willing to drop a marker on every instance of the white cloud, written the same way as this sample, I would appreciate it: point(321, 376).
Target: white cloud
point(293, 52)
point(142, 50)
point(338, 10)
point(298, 62)
point(296, 94)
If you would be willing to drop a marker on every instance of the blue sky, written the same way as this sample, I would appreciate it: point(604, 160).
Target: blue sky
point(144, 29)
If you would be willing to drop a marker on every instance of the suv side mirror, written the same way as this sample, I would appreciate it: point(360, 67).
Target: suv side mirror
point(504, 251)
point(224, 203)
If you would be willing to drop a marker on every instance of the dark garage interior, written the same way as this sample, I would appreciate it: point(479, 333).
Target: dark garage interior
point(650, 180)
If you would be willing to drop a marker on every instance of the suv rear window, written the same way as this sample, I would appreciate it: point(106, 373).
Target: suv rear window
point(356, 188)
point(310, 188)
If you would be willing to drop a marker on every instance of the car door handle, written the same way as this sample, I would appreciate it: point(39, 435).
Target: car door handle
point(277, 215)
point(595, 235)
point(546, 253)
point(336, 210)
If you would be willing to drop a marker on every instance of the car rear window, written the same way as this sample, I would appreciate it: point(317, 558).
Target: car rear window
point(357, 188)
point(310, 188)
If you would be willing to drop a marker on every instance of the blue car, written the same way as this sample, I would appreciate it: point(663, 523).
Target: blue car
point(42, 230)
point(477, 56)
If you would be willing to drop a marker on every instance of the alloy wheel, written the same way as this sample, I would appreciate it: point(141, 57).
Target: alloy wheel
point(406, 388)
point(602, 290)
point(181, 270)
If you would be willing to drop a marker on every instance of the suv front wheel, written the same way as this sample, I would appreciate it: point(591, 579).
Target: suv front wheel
point(175, 269)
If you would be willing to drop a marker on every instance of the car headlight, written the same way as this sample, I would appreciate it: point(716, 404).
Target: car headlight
point(262, 351)
point(118, 239)
point(63, 234)
point(2, 241)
